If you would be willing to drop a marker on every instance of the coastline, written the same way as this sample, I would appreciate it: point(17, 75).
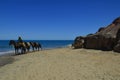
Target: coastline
point(63, 64)
point(12, 52)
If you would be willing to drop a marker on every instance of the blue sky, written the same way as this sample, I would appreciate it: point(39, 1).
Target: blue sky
point(55, 19)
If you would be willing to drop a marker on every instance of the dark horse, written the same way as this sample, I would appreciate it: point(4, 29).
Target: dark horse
point(36, 45)
point(18, 46)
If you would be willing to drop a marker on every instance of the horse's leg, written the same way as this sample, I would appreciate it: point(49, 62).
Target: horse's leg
point(21, 50)
point(24, 50)
point(38, 48)
point(33, 48)
point(41, 48)
point(15, 51)
point(28, 49)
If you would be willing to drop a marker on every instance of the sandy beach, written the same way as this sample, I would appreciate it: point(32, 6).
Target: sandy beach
point(63, 64)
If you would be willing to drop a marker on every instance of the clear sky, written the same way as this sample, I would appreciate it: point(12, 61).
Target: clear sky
point(55, 19)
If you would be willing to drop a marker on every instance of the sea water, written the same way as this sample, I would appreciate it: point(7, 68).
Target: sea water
point(5, 48)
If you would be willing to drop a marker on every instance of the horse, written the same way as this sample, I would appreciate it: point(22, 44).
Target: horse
point(27, 46)
point(33, 45)
point(36, 45)
point(18, 46)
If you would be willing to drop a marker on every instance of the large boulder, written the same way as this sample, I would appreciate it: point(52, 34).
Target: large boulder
point(99, 42)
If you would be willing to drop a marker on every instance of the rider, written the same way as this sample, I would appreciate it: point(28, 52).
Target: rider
point(20, 39)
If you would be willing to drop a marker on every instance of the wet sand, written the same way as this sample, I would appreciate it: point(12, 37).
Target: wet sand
point(63, 64)
point(6, 60)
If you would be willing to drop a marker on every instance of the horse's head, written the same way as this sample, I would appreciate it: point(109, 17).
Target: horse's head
point(11, 42)
point(31, 43)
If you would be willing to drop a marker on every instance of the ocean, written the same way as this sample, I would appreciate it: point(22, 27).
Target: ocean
point(46, 44)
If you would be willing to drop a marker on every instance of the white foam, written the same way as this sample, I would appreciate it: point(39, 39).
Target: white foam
point(7, 53)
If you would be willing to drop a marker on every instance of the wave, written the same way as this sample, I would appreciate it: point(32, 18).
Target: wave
point(7, 53)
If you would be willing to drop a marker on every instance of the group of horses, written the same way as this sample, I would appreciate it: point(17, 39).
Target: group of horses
point(24, 47)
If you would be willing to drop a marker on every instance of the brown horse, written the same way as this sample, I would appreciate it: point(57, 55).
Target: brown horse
point(18, 46)
point(36, 46)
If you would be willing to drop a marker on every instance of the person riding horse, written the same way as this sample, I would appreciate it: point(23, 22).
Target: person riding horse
point(20, 39)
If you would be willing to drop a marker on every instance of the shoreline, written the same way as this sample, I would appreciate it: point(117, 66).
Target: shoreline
point(12, 52)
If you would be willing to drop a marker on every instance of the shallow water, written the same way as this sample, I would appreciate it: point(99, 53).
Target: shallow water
point(46, 44)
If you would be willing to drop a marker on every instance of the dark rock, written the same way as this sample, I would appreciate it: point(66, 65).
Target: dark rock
point(101, 29)
point(116, 21)
point(90, 34)
point(117, 47)
point(99, 42)
point(78, 42)
point(118, 35)
point(106, 38)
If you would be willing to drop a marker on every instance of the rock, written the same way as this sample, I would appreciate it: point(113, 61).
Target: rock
point(100, 29)
point(105, 38)
point(118, 35)
point(78, 42)
point(99, 42)
point(117, 47)
point(90, 34)
point(116, 21)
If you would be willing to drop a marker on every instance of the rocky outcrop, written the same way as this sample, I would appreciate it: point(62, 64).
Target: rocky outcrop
point(106, 38)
